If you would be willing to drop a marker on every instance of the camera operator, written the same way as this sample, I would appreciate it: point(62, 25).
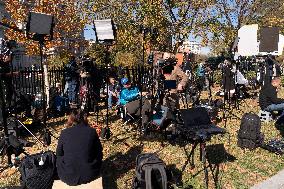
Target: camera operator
point(268, 100)
point(208, 75)
point(272, 69)
point(5, 70)
point(171, 71)
point(228, 80)
point(71, 75)
point(90, 83)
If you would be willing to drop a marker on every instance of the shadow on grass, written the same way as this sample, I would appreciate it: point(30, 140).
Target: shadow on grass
point(176, 177)
point(117, 165)
point(216, 155)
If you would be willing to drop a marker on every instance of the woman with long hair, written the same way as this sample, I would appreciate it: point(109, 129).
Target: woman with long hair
point(79, 151)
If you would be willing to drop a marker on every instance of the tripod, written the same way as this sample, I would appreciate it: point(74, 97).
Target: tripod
point(228, 80)
point(47, 134)
point(11, 143)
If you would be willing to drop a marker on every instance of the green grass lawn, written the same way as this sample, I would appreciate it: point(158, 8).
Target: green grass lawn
point(234, 167)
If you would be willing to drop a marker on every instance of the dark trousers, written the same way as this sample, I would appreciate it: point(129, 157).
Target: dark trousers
point(200, 82)
point(92, 96)
point(171, 101)
point(133, 108)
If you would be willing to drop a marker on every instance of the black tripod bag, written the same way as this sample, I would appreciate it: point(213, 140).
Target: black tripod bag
point(38, 170)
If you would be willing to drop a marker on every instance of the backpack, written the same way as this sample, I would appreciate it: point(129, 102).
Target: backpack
point(249, 134)
point(38, 170)
point(150, 172)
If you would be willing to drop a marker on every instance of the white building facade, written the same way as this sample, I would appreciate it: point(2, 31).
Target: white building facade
point(190, 47)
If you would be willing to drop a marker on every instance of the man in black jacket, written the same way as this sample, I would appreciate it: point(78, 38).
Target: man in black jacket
point(5, 71)
point(71, 76)
point(79, 152)
point(268, 100)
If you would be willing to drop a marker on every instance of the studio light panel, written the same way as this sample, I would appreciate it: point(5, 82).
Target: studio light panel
point(40, 23)
point(104, 30)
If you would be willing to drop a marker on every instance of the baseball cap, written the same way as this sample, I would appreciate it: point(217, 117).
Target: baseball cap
point(123, 81)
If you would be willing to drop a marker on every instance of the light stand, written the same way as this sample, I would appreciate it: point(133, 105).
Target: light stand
point(153, 32)
point(4, 122)
point(40, 28)
point(105, 32)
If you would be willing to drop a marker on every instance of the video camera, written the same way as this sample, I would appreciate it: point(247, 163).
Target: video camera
point(167, 65)
point(169, 61)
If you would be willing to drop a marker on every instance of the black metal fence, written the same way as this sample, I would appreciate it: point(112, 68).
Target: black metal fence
point(30, 81)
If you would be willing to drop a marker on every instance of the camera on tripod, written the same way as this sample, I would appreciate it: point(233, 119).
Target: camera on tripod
point(167, 65)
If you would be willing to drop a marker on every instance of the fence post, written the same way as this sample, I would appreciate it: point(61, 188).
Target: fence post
point(46, 84)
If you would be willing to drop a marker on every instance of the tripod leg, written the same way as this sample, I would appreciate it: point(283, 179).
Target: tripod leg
point(192, 165)
point(190, 157)
point(9, 154)
point(203, 157)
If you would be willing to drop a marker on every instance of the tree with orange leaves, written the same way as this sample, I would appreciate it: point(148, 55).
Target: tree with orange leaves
point(68, 24)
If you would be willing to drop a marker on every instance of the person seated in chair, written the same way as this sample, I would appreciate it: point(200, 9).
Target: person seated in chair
point(268, 100)
point(58, 102)
point(79, 151)
point(130, 98)
point(113, 92)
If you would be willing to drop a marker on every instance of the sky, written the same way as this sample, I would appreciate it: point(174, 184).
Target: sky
point(205, 50)
point(89, 32)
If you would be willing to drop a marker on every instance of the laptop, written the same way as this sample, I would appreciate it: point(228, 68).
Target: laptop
point(197, 119)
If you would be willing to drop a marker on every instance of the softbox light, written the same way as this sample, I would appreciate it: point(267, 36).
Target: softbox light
point(248, 44)
point(40, 23)
point(104, 30)
point(269, 38)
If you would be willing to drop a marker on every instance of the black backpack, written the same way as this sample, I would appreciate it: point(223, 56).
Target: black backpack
point(150, 172)
point(38, 170)
point(249, 134)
